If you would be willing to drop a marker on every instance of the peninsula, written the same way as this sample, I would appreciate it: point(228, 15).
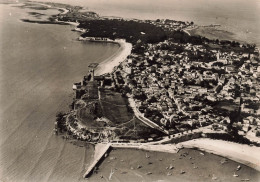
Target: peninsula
point(166, 86)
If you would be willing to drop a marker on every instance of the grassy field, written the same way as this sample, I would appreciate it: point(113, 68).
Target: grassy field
point(115, 107)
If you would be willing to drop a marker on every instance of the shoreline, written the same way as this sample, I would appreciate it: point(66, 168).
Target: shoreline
point(108, 65)
point(244, 154)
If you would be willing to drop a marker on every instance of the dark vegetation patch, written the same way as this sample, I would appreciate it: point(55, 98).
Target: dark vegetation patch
point(35, 14)
point(44, 22)
point(115, 107)
point(132, 31)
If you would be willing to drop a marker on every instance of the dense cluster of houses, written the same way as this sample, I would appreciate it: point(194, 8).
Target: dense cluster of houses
point(180, 91)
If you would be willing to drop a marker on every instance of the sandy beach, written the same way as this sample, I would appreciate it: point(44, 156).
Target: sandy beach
point(245, 154)
point(108, 65)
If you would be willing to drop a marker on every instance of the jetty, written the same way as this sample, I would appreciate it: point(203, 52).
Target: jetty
point(100, 151)
point(168, 148)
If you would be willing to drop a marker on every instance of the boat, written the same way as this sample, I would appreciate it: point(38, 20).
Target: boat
point(223, 161)
point(149, 173)
point(139, 166)
point(238, 167)
point(182, 172)
point(146, 155)
point(201, 153)
point(169, 174)
point(235, 175)
point(195, 167)
point(171, 167)
point(214, 177)
point(245, 179)
point(110, 175)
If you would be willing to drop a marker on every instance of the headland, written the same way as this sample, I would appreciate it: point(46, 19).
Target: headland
point(189, 86)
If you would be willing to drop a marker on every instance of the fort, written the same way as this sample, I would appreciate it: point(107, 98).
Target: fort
point(88, 88)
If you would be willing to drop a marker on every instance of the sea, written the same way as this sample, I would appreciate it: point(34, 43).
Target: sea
point(240, 17)
point(38, 65)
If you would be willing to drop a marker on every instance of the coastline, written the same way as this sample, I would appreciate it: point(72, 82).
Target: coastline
point(108, 64)
point(104, 66)
point(244, 154)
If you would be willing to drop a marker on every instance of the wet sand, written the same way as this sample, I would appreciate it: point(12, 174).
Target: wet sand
point(108, 65)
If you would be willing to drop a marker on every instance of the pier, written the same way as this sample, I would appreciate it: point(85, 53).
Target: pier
point(100, 151)
point(168, 148)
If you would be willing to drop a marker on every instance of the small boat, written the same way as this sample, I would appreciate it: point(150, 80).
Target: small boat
point(235, 175)
point(201, 153)
point(182, 172)
point(238, 167)
point(223, 161)
point(150, 163)
point(110, 175)
point(146, 155)
point(169, 174)
point(149, 173)
point(214, 177)
point(245, 179)
point(171, 167)
point(139, 166)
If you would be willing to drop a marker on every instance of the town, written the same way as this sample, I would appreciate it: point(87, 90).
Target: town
point(172, 82)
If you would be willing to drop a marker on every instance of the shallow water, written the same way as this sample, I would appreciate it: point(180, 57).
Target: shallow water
point(39, 63)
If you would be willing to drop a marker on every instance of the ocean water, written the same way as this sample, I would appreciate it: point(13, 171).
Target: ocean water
point(38, 65)
point(237, 16)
